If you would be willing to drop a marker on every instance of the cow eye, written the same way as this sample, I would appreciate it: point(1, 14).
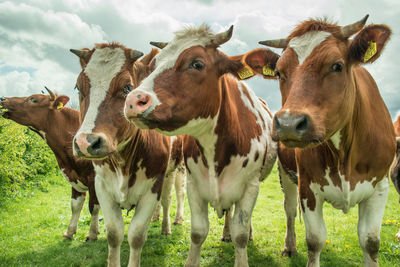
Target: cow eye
point(197, 65)
point(33, 100)
point(337, 67)
point(127, 89)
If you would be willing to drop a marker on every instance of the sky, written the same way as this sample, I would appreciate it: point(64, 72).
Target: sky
point(35, 36)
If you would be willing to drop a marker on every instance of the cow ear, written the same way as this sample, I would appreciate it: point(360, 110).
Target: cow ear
point(369, 43)
point(260, 61)
point(60, 102)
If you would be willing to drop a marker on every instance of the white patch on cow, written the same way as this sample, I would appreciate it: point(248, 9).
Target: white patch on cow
point(336, 138)
point(103, 66)
point(224, 190)
point(305, 44)
point(117, 185)
point(341, 197)
point(78, 185)
point(166, 59)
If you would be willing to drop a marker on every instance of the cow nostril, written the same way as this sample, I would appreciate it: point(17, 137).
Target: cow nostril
point(276, 123)
point(131, 106)
point(97, 144)
point(144, 101)
point(303, 124)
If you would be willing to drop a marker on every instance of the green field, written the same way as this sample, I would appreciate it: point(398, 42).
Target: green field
point(31, 230)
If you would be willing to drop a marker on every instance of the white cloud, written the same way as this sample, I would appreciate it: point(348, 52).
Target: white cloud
point(37, 34)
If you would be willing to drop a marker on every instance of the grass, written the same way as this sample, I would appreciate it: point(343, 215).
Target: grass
point(31, 234)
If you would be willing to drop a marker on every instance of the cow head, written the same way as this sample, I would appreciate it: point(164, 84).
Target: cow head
point(106, 78)
point(33, 110)
point(316, 78)
point(183, 90)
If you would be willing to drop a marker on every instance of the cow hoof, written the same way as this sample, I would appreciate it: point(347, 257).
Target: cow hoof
point(178, 221)
point(166, 232)
point(289, 253)
point(67, 237)
point(226, 239)
point(90, 239)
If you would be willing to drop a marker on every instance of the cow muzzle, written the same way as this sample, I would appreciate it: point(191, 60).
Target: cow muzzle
point(137, 104)
point(292, 129)
point(91, 146)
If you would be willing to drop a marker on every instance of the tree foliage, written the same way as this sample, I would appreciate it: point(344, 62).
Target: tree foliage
point(25, 159)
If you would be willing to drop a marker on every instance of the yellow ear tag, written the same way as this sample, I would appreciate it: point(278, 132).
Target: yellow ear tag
point(371, 51)
point(60, 105)
point(267, 71)
point(245, 73)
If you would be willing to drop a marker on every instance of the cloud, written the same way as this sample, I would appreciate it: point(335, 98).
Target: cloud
point(35, 35)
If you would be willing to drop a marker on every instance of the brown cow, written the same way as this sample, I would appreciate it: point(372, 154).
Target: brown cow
point(193, 90)
point(395, 169)
point(130, 163)
point(335, 118)
point(56, 124)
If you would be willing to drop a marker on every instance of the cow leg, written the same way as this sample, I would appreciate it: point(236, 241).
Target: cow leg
point(370, 213)
point(240, 227)
point(226, 233)
point(94, 224)
point(290, 205)
point(77, 200)
point(166, 202)
point(180, 193)
point(156, 214)
point(137, 232)
point(315, 230)
point(199, 224)
point(113, 221)
point(94, 209)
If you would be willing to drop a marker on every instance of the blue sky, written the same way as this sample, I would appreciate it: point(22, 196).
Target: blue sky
point(35, 36)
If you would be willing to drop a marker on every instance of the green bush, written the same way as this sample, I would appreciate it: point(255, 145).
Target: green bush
point(25, 159)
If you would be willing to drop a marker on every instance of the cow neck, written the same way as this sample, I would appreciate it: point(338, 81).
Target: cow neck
point(127, 156)
point(231, 131)
point(359, 136)
point(60, 128)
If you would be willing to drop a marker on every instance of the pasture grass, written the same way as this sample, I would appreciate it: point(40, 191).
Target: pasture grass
point(31, 232)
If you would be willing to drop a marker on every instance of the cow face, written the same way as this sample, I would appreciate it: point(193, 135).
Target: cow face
point(183, 91)
point(33, 110)
point(316, 79)
point(105, 80)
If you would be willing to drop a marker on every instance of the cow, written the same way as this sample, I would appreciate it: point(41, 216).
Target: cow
point(334, 118)
point(228, 149)
point(130, 164)
point(395, 169)
point(47, 116)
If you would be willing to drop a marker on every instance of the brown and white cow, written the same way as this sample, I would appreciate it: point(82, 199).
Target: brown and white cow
point(228, 149)
point(335, 118)
point(130, 164)
point(56, 124)
point(395, 169)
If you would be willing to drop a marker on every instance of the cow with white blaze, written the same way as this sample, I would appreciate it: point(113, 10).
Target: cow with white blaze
point(228, 149)
point(130, 163)
point(334, 117)
point(47, 116)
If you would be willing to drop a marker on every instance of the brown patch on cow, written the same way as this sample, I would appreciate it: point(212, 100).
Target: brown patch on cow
point(316, 25)
point(241, 240)
point(239, 119)
point(245, 163)
point(372, 247)
point(256, 156)
point(177, 150)
point(396, 126)
point(192, 149)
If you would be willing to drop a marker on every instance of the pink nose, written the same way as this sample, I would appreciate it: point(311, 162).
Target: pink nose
point(136, 103)
point(90, 145)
